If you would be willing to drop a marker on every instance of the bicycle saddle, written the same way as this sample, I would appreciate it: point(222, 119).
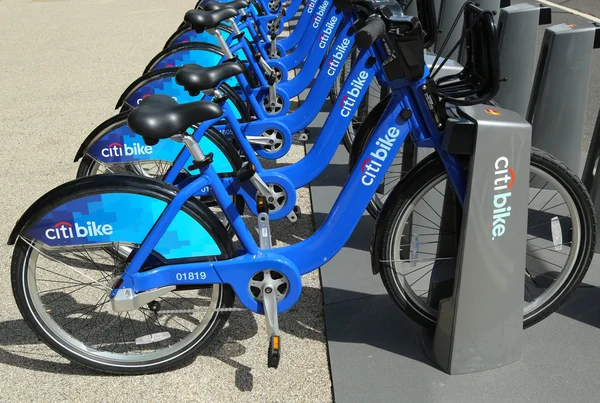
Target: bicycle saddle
point(196, 78)
point(201, 20)
point(217, 5)
point(160, 116)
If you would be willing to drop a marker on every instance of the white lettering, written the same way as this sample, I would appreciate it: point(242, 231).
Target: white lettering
point(504, 177)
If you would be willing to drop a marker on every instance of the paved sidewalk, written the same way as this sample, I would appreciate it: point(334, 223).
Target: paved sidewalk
point(64, 64)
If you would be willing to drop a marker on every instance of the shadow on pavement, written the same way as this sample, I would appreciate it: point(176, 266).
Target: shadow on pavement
point(583, 305)
point(304, 320)
point(375, 321)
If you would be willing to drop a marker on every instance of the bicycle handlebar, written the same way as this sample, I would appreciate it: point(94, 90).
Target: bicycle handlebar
point(373, 29)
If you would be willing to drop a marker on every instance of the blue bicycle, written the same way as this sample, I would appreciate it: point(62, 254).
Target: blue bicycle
point(156, 307)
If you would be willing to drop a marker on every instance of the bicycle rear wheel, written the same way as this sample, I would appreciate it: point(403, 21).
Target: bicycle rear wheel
point(410, 229)
point(63, 295)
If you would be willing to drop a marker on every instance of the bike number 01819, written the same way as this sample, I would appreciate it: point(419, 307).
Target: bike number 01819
point(192, 275)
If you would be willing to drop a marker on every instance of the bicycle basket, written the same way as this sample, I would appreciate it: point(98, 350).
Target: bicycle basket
point(479, 81)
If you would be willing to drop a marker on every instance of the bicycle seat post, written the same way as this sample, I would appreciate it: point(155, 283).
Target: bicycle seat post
point(221, 40)
point(234, 27)
point(200, 159)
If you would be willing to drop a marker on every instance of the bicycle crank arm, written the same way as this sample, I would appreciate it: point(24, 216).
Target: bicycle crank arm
point(262, 188)
point(259, 140)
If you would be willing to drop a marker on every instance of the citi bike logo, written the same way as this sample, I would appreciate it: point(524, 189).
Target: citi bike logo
point(334, 62)
point(319, 14)
point(66, 230)
point(324, 37)
point(120, 150)
point(348, 100)
point(373, 163)
point(504, 178)
point(311, 6)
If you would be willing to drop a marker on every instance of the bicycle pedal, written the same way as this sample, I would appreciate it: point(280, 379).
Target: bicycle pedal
point(274, 352)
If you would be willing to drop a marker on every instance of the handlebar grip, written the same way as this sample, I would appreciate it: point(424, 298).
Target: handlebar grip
point(373, 29)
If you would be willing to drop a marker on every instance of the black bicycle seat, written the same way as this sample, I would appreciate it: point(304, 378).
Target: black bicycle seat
point(160, 116)
point(201, 20)
point(196, 78)
point(217, 5)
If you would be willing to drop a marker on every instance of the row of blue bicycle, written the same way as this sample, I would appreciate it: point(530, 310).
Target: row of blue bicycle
point(135, 265)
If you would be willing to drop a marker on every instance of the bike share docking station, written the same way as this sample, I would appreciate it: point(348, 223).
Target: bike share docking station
point(480, 328)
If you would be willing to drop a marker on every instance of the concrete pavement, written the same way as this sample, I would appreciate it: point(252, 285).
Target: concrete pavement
point(64, 64)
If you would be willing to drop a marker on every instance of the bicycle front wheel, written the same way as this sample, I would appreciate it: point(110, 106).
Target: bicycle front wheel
point(410, 226)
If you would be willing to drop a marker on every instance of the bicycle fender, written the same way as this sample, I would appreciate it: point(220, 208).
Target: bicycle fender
point(162, 81)
point(185, 33)
point(122, 208)
point(211, 52)
point(113, 142)
point(202, 54)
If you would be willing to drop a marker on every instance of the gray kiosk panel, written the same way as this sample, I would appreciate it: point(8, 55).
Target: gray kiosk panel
point(560, 91)
point(480, 326)
point(518, 43)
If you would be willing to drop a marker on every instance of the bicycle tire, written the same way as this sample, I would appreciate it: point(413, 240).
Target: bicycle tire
point(62, 340)
point(402, 199)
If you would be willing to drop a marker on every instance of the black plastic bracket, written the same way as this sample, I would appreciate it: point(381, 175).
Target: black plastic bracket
point(150, 142)
point(504, 3)
point(221, 98)
point(597, 37)
point(459, 136)
point(545, 15)
point(271, 79)
point(200, 164)
point(246, 172)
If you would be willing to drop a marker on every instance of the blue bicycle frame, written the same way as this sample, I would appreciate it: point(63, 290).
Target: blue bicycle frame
point(285, 63)
point(296, 260)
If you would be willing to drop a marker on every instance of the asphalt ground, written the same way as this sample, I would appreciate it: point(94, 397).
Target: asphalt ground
point(64, 64)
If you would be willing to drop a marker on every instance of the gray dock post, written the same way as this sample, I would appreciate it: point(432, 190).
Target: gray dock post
point(518, 43)
point(480, 328)
point(560, 91)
